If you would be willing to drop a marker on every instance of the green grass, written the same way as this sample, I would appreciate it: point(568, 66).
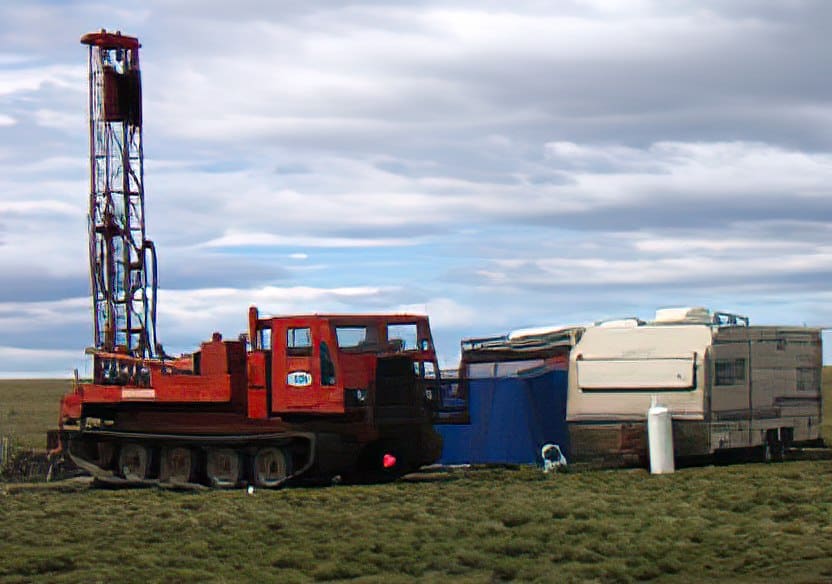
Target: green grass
point(826, 429)
point(29, 407)
point(748, 523)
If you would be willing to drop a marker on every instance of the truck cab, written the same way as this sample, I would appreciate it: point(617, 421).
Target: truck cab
point(384, 365)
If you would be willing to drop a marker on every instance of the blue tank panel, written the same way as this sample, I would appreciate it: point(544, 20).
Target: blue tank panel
point(511, 418)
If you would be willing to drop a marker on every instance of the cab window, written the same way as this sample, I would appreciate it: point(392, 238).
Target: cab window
point(430, 370)
point(327, 366)
point(299, 341)
point(266, 339)
point(404, 334)
point(350, 336)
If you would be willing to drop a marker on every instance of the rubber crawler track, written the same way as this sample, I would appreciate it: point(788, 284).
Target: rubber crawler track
point(109, 478)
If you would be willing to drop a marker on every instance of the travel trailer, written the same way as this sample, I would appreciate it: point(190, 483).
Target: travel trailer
point(727, 384)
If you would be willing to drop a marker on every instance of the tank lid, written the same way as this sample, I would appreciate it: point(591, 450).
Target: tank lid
point(686, 314)
point(632, 322)
point(109, 40)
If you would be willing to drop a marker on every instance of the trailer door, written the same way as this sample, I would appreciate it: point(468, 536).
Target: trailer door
point(730, 378)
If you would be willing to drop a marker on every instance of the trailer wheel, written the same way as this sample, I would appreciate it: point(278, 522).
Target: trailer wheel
point(177, 465)
point(778, 451)
point(222, 466)
point(270, 467)
point(767, 452)
point(133, 462)
point(773, 451)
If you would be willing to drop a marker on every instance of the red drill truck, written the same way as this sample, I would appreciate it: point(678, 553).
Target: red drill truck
point(298, 396)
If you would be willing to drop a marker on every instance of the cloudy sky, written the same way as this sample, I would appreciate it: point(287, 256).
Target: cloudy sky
point(494, 164)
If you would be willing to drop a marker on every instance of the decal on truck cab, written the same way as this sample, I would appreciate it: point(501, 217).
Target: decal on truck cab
point(299, 379)
point(138, 394)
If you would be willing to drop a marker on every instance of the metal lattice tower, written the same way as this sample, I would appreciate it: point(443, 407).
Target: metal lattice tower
point(122, 260)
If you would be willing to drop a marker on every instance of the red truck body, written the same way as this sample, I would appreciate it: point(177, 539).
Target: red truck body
point(315, 396)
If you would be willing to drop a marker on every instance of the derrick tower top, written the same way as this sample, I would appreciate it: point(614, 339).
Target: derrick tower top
point(122, 259)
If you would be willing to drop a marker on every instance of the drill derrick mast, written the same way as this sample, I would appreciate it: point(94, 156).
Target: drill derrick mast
point(122, 259)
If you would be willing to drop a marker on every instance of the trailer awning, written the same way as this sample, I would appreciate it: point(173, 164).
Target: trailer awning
point(666, 373)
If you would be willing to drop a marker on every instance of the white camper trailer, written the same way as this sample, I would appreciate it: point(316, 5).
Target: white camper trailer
point(727, 384)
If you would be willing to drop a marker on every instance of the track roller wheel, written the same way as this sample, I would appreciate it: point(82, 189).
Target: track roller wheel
point(177, 465)
point(133, 461)
point(270, 467)
point(106, 454)
point(222, 466)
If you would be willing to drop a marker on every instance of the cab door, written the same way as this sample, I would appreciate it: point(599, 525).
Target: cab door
point(306, 378)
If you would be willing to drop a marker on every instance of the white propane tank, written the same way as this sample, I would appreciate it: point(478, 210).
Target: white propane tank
point(660, 438)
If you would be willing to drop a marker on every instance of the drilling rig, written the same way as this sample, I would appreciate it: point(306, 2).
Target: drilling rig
point(308, 396)
point(122, 259)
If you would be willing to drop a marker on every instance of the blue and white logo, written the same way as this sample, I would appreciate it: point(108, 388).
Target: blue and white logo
point(299, 379)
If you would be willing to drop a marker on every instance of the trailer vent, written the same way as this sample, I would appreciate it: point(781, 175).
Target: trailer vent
point(690, 315)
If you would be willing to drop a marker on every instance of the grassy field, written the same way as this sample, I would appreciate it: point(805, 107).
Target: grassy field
point(29, 407)
point(749, 523)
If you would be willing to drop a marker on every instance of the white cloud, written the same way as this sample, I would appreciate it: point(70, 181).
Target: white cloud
point(226, 309)
point(59, 120)
point(699, 171)
point(37, 208)
point(694, 245)
point(701, 259)
point(16, 363)
point(355, 196)
point(444, 313)
point(269, 239)
point(20, 317)
point(32, 79)
point(494, 165)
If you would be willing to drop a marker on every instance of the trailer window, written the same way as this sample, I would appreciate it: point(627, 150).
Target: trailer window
point(481, 370)
point(517, 368)
point(453, 403)
point(327, 366)
point(502, 368)
point(729, 371)
point(406, 333)
point(299, 342)
point(808, 379)
point(350, 336)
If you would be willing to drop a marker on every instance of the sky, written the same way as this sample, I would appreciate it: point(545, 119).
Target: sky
point(496, 165)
